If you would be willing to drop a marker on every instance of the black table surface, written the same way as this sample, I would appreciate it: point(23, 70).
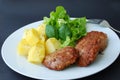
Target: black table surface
point(16, 13)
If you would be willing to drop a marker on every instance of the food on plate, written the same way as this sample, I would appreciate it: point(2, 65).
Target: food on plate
point(23, 47)
point(61, 59)
point(89, 47)
point(32, 44)
point(56, 31)
point(51, 45)
point(36, 53)
point(60, 26)
point(41, 31)
point(60, 41)
point(31, 36)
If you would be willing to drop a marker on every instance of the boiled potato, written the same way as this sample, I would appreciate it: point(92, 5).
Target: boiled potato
point(36, 54)
point(31, 36)
point(23, 48)
point(51, 45)
point(41, 30)
point(32, 44)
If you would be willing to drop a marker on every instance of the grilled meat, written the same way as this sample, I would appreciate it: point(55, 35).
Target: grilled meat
point(89, 47)
point(61, 58)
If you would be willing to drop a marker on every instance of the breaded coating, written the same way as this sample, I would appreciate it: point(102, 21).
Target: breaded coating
point(61, 59)
point(89, 47)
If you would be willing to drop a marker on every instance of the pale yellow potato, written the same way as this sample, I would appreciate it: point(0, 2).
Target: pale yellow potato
point(36, 54)
point(31, 36)
point(23, 47)
point(41, 30)
point(32, 44)
point(51, 45)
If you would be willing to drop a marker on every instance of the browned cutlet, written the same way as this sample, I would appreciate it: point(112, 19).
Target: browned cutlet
point(89, 47)
point(61, 58)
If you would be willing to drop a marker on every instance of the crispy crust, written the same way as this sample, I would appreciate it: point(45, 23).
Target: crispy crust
point(61, 58)
point(89, 47)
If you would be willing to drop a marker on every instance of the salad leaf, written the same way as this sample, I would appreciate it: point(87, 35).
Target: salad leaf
point(51, 31)
point(66, 42)
point(56, 20)
point(64, 31)
point(60, 26)
point(58, 17)
point(78, 28)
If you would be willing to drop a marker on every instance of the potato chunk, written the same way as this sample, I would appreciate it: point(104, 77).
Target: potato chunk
point(41, 30)
point(31, 36)
point(51, 45)
point(23, 48)
point(32, 44)
point(36, 54)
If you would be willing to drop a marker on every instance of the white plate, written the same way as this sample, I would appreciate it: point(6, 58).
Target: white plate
point(22, 66)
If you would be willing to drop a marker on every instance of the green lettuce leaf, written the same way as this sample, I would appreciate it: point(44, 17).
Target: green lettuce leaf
point(60, 26)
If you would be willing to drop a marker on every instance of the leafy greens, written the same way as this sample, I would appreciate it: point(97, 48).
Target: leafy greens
point(60, 26)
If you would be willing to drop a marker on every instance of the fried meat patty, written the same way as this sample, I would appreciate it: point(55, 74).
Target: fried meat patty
point(89, 47)
point(61, 58)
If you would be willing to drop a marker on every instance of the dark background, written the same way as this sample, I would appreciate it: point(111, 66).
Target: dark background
point(16, 13)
